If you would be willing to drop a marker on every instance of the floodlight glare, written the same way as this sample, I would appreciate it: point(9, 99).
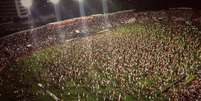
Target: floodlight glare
point(55, 1)
point(27, 3)
point(80, 1)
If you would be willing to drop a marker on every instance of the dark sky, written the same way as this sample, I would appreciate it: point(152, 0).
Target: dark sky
point(70, 8)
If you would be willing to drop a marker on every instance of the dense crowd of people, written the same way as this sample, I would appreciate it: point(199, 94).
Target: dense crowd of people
point(20, 43)
point(124, 56)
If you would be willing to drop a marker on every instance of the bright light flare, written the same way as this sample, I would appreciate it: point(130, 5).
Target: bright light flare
point(55, 1)
point(27, 3)
point(80, 1)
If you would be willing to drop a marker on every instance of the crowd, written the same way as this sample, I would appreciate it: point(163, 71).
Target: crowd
point(20, 43)
point(140, 59)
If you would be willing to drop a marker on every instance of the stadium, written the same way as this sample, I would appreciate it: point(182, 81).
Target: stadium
point(100, 50)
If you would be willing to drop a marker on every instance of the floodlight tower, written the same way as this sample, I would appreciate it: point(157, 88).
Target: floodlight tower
point(82, 14)
point(81, 4)
point(28, 4)
point(55, 2)
point(105, 14)
point(56, 8)
point(61, 32)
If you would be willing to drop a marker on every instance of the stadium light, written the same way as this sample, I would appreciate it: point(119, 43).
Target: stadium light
point(27, 3)
point(80, 1)
point(55, 1)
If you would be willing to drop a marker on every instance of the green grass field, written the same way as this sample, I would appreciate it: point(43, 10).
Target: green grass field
point(139, 61)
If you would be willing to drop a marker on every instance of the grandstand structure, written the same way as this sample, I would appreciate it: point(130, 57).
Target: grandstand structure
point(11, 14)
point(14, 16)
point(12, 9)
